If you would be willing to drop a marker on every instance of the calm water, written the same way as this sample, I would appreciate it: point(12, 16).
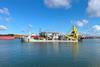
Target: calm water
point(82, 54)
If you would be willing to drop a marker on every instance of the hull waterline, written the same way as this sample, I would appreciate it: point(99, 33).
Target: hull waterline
point(32, 40)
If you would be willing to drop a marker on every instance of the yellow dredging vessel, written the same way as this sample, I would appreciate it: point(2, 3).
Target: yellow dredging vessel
point(52, 37)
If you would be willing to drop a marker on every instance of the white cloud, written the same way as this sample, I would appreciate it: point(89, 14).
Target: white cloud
point(81, 23)
point(5, 15)
point(2, 27)
point(24, 30)
point(58, 3)
point(8, 19)
point(4, 11)
point(96, 28)
point(94, 8)
point(30, 25)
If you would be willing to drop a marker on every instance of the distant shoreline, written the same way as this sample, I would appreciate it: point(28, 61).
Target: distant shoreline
point(16, 36)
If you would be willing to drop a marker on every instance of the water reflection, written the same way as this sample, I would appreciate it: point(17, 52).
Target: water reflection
point(54, 48)
point(65, 48)
point(58, 47)
point(16, 54)
point(46, 49)
point(75, 47)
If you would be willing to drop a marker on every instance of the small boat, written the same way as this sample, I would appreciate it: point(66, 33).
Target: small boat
point(52, 37)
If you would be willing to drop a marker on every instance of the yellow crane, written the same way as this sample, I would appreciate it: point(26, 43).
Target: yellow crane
point(74, 32)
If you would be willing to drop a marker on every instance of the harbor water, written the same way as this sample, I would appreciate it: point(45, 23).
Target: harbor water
point(86, 53)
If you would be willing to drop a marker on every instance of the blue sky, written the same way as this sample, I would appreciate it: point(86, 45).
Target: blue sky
point(18, 16)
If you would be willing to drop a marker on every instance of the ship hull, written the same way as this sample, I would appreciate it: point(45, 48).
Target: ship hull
point(32, 40)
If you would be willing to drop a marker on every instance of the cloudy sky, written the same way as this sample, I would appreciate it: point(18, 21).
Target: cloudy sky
point(20, 16)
